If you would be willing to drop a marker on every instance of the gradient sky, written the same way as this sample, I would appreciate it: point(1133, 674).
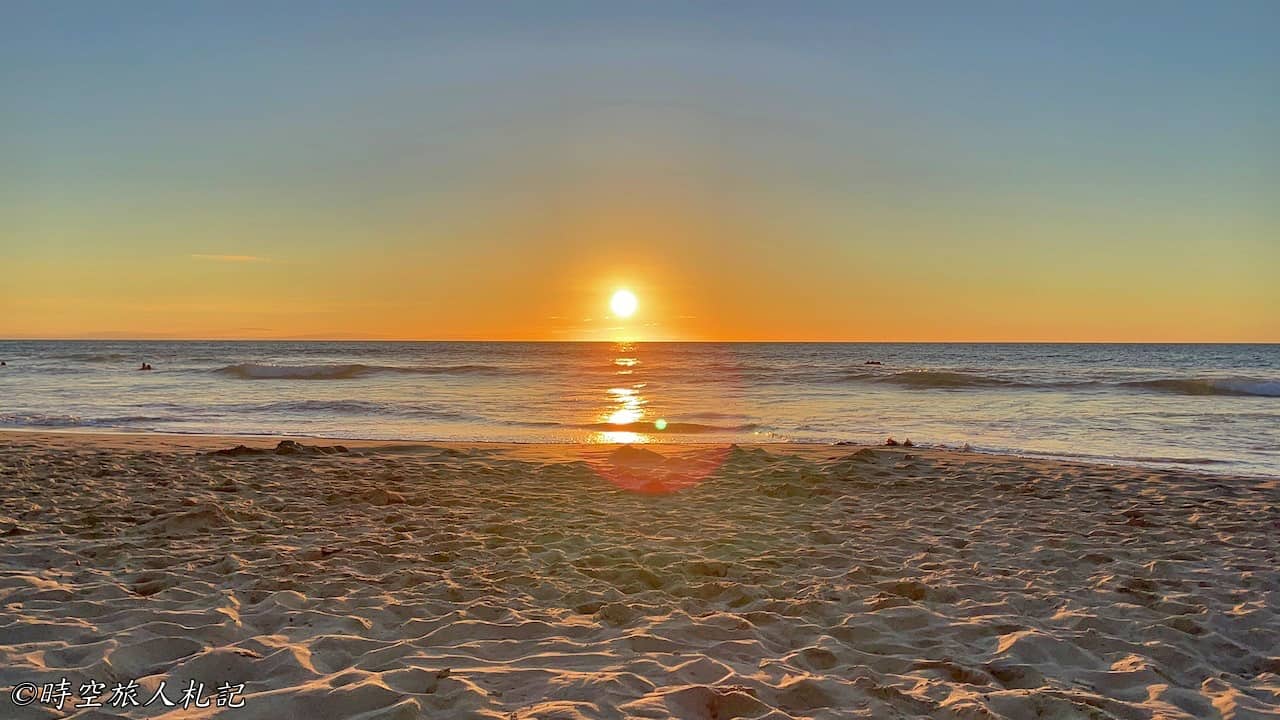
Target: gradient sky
point(774, 171)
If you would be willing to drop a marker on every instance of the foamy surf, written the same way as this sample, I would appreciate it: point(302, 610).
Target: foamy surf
point(41, 420)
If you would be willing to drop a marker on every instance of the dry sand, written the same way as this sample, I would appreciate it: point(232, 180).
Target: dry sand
point(412, 580)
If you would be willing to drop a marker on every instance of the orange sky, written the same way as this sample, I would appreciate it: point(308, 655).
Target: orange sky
point(690, 293)
point(706, 266)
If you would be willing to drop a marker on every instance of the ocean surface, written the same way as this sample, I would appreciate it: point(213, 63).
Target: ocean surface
point(1210, 407)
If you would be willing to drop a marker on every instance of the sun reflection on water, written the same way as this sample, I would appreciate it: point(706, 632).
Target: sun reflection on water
point(625, 419)
point(626, 404)
point(618, 437)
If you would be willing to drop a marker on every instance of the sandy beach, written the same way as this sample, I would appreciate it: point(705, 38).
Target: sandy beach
point(406, 580)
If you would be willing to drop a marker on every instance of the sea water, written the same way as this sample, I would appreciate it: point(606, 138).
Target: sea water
point(1209, 407)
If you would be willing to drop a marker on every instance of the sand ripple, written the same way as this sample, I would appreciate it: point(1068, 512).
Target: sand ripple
point(806, 582)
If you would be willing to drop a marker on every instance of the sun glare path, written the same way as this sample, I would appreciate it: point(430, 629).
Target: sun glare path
point(623, 423)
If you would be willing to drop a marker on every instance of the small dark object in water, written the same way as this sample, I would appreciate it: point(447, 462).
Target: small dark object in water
point(892, 443)
point(908, 443)
point(3, 363)
point(873, 362)
point(144, 366)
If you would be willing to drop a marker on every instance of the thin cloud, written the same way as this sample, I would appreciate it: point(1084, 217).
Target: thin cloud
point(231, 258)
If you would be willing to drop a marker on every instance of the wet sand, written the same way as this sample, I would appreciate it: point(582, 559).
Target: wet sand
point(405, 580)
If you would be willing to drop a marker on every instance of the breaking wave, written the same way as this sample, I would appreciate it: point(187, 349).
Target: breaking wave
point(938, 379)
point(254, 371)
point(942, 379)
point(951, 379)
point(53, 420)
point(1239, 386)
point(353, 407)
point(714, 416)
point(40, 420)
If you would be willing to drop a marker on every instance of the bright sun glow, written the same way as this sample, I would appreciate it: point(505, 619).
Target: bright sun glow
point(623, 303)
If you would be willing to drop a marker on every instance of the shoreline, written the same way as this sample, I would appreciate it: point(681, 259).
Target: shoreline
point(201, 439)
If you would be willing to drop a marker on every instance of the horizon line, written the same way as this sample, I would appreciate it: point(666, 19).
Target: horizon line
point(650, 342)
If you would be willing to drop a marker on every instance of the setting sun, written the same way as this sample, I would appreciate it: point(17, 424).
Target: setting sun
point(623, 303)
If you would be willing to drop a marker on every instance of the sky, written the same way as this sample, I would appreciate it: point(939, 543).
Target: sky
point(986, 171)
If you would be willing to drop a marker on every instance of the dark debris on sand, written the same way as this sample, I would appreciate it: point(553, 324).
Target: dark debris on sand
point(286, 447)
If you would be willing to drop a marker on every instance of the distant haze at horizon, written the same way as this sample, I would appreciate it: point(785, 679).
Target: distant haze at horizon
point(1069, 172)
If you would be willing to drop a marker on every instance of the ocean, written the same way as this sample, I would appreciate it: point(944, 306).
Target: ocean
point(1214, 408)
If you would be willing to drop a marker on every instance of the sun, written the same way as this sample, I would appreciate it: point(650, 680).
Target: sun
point(623, 303)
